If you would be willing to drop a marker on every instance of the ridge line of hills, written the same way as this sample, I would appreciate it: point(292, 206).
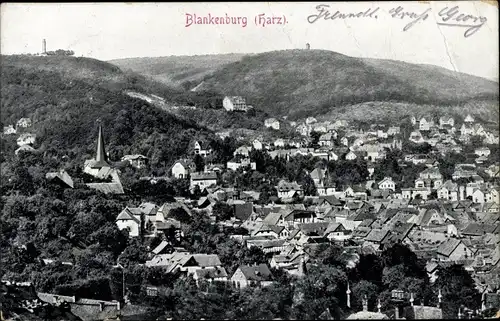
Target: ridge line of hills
point(301, 82)
point(65, 95)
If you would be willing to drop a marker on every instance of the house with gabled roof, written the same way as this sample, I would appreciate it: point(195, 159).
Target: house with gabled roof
point(331, 200)
point(239, 161)
point(173, 210)
point(210, 274)
point(136, 160)
point(243, 151)
point(296, 216)
point(428, 217)
point(446, 121)
point(23, 122)
point(490, 207)
point(387, 184)
point(235, 103)
point(9, 130)
point(282, 260)
point(453, 250)
point(267, 245)
point(272, 231)
point(474, 229)
point(26, 139)
point(243, 212)
point(337, 232)
point(425, 123)
point(468, 119)
point(188, 263)
point(203, 180)
point(322, 181)
point(172, 262)
point(257, 144)
point(182, 168)
point(200, 150)
point(448, 191)
point(400, 232)
point(252, 275)
point(376, 238)
point(61, 177)
point(288, 190)
point(163, 248)
point(351, 156)
point(326, 140)
point(290, 262)
point(274, 218)
point(313, 229)
point(131, 219)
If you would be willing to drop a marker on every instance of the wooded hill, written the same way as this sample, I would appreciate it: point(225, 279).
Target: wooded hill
point(301, 83)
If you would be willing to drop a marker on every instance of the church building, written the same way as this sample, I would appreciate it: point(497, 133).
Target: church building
point(100, 168)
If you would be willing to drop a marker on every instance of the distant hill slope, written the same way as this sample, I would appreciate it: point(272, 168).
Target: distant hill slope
point(177, 70)
point(98, 72)
point(64, 98)
point(299, 83)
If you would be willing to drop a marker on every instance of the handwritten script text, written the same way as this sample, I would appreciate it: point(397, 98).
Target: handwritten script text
point(449, 17)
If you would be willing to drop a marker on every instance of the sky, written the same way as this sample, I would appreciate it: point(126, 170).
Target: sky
point(120, 30)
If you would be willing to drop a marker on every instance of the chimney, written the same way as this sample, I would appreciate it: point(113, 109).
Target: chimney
point(440, 296)
point(411, 299)
point(44, 46)
point(308, 46)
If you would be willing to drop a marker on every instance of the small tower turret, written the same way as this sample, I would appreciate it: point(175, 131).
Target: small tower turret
point(302, 267)
point(348, 292)
point(365, 303)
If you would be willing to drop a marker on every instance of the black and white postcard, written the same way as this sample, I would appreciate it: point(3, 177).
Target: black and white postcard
point(249, 161)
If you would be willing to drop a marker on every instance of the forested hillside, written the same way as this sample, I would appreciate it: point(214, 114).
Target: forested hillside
point(304, 82)
point(65, 110)
point(41, 220)
point(177, 70)
point(301, 83)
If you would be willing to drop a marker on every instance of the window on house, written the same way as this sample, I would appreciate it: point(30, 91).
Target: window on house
point(152, 291)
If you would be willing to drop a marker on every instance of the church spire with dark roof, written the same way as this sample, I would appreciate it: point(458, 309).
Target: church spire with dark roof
point(101, 153)
point(101, 159)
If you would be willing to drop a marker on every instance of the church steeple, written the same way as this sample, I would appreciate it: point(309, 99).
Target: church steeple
point(101, 153)
point(101, 158)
